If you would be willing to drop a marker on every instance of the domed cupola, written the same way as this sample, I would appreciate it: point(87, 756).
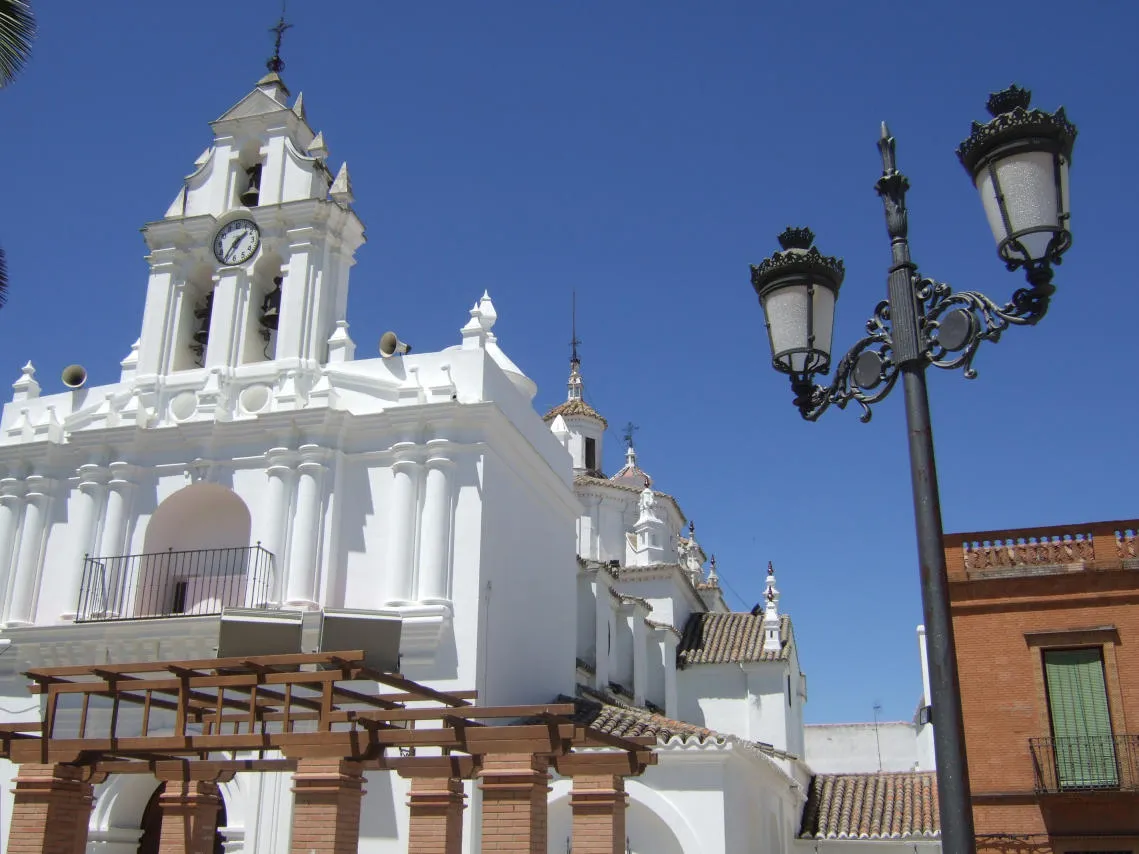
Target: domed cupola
point(631, 474)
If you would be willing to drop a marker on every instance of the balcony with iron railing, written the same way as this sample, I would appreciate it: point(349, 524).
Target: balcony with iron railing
point(1087, 763)
point(175, 584)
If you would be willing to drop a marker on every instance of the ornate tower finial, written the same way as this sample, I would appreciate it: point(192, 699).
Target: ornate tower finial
point(575, 361)
point(574, 340)
point(771, 618)
point(275, 64)
point(713, 578)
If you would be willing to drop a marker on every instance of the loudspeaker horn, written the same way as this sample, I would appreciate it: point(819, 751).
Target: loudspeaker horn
point(390, 345)
point(74, 376)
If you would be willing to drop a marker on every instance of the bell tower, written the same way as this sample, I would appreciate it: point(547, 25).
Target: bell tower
point(250, 263)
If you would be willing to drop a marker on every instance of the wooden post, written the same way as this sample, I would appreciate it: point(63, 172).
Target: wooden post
point(436, 821)
point(326, 806)
point(598, 803)
point(51, 811)
point(189, 816)
point(514, 787)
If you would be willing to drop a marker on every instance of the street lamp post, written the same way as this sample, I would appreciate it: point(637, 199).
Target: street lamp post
point(1019, 164)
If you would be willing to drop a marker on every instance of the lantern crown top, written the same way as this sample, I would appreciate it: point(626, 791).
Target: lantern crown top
point(1007, 100)
point(796, 238)
point(1014, 123)
point(799, 256)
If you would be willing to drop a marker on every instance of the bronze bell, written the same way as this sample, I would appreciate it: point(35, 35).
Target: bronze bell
point(202, 333)
point(253, 191)
point(271, 306)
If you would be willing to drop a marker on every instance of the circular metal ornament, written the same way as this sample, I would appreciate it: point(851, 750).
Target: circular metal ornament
point(868, 369)
point(955, 329)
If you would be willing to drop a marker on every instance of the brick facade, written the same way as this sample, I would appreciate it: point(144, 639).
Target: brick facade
point(189, 816)
point(326, 806)
point(598, 803)
point(514, 788)
point(1014, 595)
point(51, 811)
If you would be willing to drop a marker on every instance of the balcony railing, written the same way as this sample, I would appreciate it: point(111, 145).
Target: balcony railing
point(170, 584)
point(1100, 545)
point(1081, 764)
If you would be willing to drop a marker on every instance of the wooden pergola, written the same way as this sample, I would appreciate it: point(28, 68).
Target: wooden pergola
point(328, 720)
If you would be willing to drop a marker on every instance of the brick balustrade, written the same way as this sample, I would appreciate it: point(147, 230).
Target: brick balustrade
point(598, 803)
point(189, 816)
point(326, 806)
point(1093, 545)
point(514, 788)
point(51, 811)
point(436, 816)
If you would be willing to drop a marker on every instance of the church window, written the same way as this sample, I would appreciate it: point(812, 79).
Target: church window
point(591, 454)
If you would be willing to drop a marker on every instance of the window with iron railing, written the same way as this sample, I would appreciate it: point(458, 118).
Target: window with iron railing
point(1085, 754)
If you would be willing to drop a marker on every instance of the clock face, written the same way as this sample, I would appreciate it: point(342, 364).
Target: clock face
point(236, 241)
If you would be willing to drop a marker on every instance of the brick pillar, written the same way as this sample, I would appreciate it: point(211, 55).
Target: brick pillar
point(326, 806)
point(51, 811)
point(189, 816)
point(514, 787)
point(598, 802)
point(436, 825)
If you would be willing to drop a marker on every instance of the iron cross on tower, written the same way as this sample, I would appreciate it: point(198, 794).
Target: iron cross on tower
point(630, 429)
point(275, 63)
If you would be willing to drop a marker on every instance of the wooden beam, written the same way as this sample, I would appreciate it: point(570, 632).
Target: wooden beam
point(356, 657)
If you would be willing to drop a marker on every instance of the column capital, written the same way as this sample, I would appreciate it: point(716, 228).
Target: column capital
point(39, 486)
point(123, 474)
point(312, 458)
point(406, 464)
point(91, 476)
point(280, 460)
point(438, 462)
point(406, 452)
point(11, 489)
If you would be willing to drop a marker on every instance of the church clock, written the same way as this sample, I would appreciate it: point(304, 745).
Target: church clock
point(236, 241)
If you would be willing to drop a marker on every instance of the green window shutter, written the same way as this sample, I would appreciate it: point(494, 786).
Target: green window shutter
point(1081, 722)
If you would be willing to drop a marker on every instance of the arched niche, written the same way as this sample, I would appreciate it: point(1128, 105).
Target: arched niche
point(127, 816)
point(197, 556)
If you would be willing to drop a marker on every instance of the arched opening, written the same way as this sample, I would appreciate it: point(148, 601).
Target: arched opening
point(151, 826)
point(197, 558)
point(645, 831)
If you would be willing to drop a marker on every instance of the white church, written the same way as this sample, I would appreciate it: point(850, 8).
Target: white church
point(248, 459)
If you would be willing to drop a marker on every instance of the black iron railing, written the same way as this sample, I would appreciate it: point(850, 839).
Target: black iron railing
point(1070, 764)
point(170, 583)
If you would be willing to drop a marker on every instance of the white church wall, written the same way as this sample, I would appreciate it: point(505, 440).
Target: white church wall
point(587, 617)
point(860, 747)
point(528, 563)
point(714, 696)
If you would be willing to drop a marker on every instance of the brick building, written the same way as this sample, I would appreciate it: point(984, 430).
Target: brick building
point(1048, 650)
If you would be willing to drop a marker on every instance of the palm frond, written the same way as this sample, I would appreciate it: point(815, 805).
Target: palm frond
point(17, 31)
point(3, 277)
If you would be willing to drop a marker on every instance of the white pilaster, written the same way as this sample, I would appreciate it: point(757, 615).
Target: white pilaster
point(406, 471)
point(115, 523)
point(670, 641)
point(282, 476)
point(605, 630)
point(11, 504)
point(160, 320)
point(37, 504)
point(226, 317)
point(435, 530)
point(88, 497)
point(306, 527)
point(640, 653)
point(295, 334)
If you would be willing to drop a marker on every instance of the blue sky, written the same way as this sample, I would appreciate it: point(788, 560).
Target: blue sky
point(642, 153)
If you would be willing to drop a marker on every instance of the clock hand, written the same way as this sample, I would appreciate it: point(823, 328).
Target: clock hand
point(233, 246)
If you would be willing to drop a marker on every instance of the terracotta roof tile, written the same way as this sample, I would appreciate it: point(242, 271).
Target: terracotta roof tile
point(622, 720)
point(872, 806)
point(719, 638)
point(576, 407)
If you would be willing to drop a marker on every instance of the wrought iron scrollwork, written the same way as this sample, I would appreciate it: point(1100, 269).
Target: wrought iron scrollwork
point(953, 325)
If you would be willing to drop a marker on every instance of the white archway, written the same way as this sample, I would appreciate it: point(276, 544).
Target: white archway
point(196, 553)
point(653, 825)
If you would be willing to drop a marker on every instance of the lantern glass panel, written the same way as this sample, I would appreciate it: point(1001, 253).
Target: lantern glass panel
point(823, 319)
point(788, 315)
point(1027, 180)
